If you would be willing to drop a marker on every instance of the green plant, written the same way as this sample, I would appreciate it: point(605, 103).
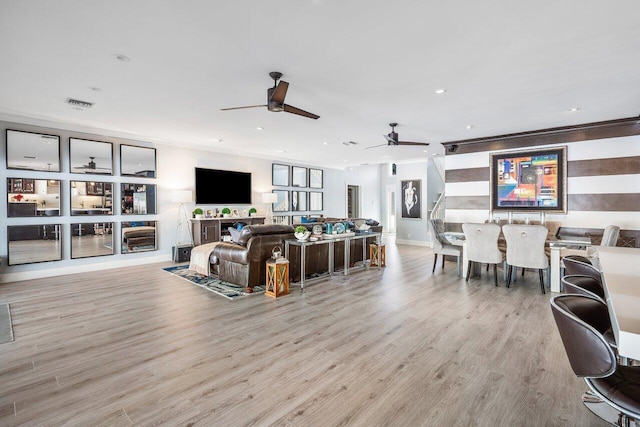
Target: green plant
point(225, 211)
point(198, 211)
point(252, 210)
point(301, 229)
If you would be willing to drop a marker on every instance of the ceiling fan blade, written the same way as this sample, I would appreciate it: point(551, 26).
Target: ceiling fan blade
point(280, 92)
point(376, 146)
point(240, 108)
point(412, 143)
point(294, 110)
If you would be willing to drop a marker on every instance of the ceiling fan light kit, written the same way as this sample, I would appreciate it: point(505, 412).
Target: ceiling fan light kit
point(275, 99)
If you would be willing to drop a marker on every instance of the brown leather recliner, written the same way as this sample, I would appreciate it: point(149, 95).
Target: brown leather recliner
point(243, 263)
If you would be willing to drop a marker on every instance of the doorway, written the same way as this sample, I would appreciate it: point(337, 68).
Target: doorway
point(390, 207)
point(353, 201)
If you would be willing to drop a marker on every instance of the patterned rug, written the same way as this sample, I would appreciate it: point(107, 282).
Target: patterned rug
point(211, 283)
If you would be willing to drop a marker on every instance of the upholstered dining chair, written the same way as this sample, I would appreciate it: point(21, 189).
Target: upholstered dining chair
point(614, 392)
point(577, 264)
point(583, 285)
point(481, 244)
point(609, 238)
point(441, 246)
point(525, 248)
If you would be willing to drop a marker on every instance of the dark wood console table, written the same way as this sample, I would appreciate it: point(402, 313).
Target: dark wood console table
point(207, 230)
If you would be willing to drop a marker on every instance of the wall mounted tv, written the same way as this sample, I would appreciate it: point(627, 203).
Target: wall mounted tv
point(220, 187)
point(533, 180)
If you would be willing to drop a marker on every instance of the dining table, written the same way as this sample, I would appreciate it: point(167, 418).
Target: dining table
point(620, 269)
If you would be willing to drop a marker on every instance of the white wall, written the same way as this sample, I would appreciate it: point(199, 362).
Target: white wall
point(408, 230)
point(175, 171)
point(368, 179)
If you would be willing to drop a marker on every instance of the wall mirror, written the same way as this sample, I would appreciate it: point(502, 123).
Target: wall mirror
point(315, 201)
point(282, 205)
point(33, 197)
point(298, 176)
point(86, 156)
point(138, 199)
point(298, 200)
point(296, 219)
point(91, 239)
point(137, 161)
point(315, 178)
point(33, 151)
point(34, 243)
point(280, 175)
point(91, 198)
point(138, 236)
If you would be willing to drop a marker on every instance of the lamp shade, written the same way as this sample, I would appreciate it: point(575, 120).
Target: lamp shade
point(269, 197)
point(181, 196)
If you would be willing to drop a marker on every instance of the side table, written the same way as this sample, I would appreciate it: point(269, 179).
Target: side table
point(377, 256)
point(277, 283)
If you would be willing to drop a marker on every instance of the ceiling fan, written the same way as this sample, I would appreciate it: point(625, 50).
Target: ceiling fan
point(275, 99)
point(392, 139)
point(91, 166)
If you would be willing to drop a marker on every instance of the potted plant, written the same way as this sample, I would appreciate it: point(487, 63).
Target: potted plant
point(226, 212)
point(198, 213)
point(301, 232)
point(252, 211)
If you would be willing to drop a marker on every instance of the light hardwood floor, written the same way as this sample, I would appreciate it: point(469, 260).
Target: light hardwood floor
point(401, 347)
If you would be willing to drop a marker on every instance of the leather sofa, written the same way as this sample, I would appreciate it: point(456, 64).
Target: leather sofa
point(243, 262)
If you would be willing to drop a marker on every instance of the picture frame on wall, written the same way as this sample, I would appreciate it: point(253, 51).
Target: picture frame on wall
point(412, 199)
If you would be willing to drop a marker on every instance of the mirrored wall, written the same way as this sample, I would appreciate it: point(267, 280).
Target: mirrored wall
point(138, 161)
point(91, 198)
point(138, 236)
point(90, 157)
point(138, 199)
point(27, 197)
point(34, 243)
point(33, 151)
point(91, 239)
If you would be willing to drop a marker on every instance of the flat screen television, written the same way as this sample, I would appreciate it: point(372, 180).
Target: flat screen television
point(532, 180)
point(221, 187)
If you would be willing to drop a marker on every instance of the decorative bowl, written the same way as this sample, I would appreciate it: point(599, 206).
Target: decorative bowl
point(302, 236)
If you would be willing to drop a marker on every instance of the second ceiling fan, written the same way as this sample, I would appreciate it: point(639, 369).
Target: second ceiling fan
point(393, 139)
point(275, 99)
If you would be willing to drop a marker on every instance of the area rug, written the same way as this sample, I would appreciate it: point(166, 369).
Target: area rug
point(211, 283)
point(6, 330)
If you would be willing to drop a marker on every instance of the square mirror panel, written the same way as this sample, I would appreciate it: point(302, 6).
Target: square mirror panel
point(298, 176)
point(137, 161)
point(91, 239)
point(315, 201)
point(33, 197)
point(91, 198)
point(315, 178)
point(29, 244)
point(90, 157)
point(33, 151)
point(280, 175)
point(282, 205)
point(298, 200)
point(138, 236)
point(138, 199)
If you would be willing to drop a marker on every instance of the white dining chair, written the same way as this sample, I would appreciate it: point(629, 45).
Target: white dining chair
point(525, 249)
point(482, 246)
point(441, 246)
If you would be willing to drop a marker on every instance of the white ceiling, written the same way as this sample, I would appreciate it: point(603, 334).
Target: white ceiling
point(507, 66)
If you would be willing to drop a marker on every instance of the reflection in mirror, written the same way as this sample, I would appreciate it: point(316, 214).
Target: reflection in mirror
point(138, 236)
point(299, 176)
point(315, 201)
point(137, 161)
point(298, 200)
point(281, 219)
point(33, 151)
point(138, 199)
point(315, 178)
point(34, 243)
point(91, 198)
point(91, 156)
point(280, 175)
point(91, 239)
point(282, 205)
point(33, 197)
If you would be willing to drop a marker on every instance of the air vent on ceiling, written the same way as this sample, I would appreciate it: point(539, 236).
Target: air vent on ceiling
point(350, 143)
point(78, 103)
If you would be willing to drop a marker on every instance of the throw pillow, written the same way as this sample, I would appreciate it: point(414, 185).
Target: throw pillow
point(235, 234)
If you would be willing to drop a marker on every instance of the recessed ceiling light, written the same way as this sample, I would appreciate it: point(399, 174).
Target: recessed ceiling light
point(325, 143)
point(573, 110)
point(260, 128)
point(425, 151)
point(469, 126)
point(440, 91)
point(280, 151)
point(95, 89)
point(383, 157)
point(216, 140)
point(122, 58)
